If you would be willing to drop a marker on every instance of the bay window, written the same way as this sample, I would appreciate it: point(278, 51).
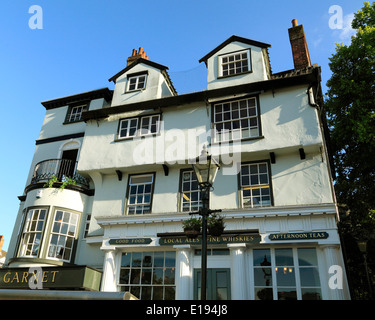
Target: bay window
point(49, 235)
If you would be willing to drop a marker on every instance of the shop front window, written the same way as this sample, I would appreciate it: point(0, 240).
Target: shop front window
point(149, 275)
point(286, 274)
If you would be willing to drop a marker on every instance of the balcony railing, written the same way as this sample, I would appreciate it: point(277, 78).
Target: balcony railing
point(59, 168)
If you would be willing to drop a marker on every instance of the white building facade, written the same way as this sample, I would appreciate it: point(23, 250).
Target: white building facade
point(111, 183)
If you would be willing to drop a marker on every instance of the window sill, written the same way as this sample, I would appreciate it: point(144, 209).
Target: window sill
point(38, 261)
point(234, 75)
point(137, 137)
point(235, 141)
point(136, 90)
point(71, 122)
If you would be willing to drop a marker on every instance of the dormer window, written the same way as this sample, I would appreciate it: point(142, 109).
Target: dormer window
point(136, 82)
point(234, 63)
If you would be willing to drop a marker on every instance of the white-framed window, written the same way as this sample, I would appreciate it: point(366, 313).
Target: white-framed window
point(63, 234)
point(236, 120)
point(234, 63)
point(140, 194)
point(32, 232)
point(150, 124)
point(137, 82)
point(255, 185)
point(190, 192)
point(128, 128)
point(141, 126)
point(149, 275)
point(286, 274)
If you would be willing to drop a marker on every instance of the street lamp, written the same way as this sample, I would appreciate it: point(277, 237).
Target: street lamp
point(205, 168)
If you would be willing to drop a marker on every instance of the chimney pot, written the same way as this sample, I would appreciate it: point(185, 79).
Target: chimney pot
point(136, 55)
point(294, 23)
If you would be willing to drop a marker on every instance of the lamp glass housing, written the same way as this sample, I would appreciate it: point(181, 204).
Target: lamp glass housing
point(205, 169)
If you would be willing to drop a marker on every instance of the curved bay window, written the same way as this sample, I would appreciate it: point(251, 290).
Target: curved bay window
point(46, 239)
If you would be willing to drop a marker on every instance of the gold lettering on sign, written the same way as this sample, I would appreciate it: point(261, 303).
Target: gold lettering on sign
point(23, 277)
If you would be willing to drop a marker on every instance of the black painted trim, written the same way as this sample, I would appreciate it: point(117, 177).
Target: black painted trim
point(60, 138)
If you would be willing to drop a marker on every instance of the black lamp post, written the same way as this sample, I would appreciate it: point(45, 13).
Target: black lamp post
point(205, 168)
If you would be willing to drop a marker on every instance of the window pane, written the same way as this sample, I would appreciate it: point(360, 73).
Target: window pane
point(311, 294)
point(146, 276)
point(170, 293)
point(262, 257)
point(263, 277)
point(158, 259)
point(125, 260)
point(135, 276)
point(158, 293)
point(307, 257)
point(284, 257)
point(124, 276)
point(170, 259)
point(285, 276)
point(309, 277)
point(157, 276)
point(286, 294)
point(136, 259)
point(263, 294)
point(147, 259)
point(169, 275)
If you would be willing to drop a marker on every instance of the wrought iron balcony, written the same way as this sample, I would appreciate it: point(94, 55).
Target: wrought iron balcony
point(59, 169)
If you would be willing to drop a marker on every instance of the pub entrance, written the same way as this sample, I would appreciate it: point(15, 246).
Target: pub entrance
point(218, 284)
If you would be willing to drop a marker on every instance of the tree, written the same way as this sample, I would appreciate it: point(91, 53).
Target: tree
point(350, 106)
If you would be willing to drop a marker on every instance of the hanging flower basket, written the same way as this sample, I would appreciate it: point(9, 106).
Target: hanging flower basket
point(215, 225)
point(192, 227)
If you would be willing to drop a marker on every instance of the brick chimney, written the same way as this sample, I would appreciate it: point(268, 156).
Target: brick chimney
point(301, 55)
point(136, 55)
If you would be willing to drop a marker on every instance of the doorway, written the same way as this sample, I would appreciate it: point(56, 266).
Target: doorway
point(68, 163)
point(218, 284)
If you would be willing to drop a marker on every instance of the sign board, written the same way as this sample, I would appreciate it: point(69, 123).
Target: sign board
point(298, 236)
point(80, 277)
point(223, 239)
point(130, 241)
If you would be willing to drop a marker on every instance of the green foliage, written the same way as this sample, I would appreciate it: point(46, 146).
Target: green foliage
point(350, 107)
point(64, 182)
point(215, 220)
point(50, 182)
point(192, 224)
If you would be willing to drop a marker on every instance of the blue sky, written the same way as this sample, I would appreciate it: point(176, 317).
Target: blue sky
point(84, 43)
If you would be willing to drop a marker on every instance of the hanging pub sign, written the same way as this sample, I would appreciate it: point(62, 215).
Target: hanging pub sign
point(298, 236)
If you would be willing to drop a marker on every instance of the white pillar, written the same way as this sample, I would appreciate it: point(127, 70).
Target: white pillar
point(239, 281)
point(184, 272)
point(336, 275)
point(109, 272)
